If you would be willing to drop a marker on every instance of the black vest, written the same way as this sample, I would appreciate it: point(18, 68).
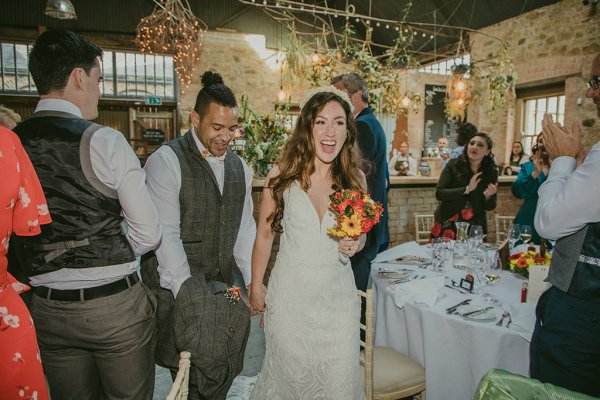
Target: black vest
point(86, 215)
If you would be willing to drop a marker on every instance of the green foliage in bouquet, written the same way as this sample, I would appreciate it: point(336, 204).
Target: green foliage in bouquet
point(265, 136)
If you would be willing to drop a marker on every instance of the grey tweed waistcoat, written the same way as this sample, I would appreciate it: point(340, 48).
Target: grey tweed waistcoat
point(210, 221)
point(570, 270)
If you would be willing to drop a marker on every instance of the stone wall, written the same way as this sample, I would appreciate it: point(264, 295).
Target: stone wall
point(247, 67)
point(548, 45)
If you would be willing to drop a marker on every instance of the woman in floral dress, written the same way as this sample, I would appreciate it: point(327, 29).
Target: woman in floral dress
point(22, 210)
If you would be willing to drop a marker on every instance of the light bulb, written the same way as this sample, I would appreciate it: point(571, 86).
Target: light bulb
point(461, 102)
point(281, 95)
point(315, 57)
point(405, 101)
point(461, 86)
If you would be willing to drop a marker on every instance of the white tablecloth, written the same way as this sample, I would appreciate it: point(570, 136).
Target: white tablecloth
point(455, 352)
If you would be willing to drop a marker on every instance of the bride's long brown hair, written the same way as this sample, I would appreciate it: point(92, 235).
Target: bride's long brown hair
point(296, 162)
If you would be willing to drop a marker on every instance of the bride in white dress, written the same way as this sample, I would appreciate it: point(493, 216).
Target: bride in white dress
point(311, 308)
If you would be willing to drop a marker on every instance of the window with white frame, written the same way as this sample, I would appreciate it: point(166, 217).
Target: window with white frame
point(533, 112)
point(126, 74)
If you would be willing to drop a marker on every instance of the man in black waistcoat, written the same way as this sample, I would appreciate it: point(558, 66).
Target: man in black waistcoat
point(203, 194)
point(565, 347)
point(94, 319)
point(371, 141)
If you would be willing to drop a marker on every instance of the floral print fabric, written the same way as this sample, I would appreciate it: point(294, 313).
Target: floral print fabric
point(22, 210)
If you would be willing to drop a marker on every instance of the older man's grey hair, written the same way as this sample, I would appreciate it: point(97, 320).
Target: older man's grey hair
point(353, 83)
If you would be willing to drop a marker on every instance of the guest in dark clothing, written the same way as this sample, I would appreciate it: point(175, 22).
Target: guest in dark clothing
point(371, 141)
point(531, 176)
point(467, 187)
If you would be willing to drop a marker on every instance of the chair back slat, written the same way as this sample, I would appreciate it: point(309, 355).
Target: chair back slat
point(423, 225)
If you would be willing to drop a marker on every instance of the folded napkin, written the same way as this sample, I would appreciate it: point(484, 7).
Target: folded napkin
point(424, 291)
point(523, 318)
point(402, 250)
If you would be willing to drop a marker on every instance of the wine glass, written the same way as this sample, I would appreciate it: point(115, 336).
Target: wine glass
point(475, 236)
point(492, 273)
point(513, 234)
point(525, 233)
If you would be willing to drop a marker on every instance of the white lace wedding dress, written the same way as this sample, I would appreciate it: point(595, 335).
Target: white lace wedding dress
point(312, 315)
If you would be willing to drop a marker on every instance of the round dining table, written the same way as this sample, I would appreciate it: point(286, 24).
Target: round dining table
point(455, 351)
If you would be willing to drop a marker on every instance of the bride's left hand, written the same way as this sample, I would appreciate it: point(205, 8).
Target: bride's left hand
point(349, 246)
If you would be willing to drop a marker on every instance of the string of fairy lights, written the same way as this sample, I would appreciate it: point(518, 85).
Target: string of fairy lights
point(172, 28)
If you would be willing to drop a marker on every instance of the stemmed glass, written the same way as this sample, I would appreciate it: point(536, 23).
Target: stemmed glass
point(492, 272)
point(513, 234)
point(525, 233)
point(475, 236)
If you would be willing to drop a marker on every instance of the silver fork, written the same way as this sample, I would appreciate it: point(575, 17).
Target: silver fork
point(501, 320)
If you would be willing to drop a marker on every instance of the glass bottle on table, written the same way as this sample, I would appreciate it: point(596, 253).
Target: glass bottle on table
point(460, 259)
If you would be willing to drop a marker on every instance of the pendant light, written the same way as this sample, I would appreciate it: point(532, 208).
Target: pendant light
point(61, 9)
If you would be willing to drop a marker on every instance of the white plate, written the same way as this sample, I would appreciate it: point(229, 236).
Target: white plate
point(488, 315)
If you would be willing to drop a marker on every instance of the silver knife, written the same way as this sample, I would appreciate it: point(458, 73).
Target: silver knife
point(477, 311)
point(452, 310)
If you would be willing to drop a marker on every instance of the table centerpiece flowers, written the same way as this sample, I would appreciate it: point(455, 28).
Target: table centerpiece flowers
point(520, 262)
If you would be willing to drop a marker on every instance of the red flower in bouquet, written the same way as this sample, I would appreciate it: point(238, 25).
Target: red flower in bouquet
point(449, 233)
point(467, 213)
point(453, 218)
point(436, 230)
point(355, 213)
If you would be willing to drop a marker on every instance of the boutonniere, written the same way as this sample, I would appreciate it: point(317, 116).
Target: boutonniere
point(234, 294)
point(205, 153)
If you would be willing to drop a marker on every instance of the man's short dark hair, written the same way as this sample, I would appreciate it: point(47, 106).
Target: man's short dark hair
point(213, 91)
point(353, 83)
point(55, 54)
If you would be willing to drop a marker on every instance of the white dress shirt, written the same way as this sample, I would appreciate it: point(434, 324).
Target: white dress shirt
point(116, 165)
point(568, 200)
point(163, 176)
point(397, 156)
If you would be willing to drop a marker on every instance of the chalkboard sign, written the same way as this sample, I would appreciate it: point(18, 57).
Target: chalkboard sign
point(154, 136)
point(436, 123)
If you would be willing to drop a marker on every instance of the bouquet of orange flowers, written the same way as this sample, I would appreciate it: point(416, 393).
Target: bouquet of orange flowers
point(355, 213)
point(520, 262)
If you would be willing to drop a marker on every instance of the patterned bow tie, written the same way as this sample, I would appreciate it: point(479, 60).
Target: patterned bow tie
point(206, 154)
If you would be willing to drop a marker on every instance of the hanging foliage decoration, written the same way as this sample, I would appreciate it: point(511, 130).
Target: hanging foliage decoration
point(173, 29)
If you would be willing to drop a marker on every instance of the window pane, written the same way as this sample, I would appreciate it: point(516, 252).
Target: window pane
point(140, 76)
point(22, 70)
point(150, 78)
point(561, 109)
point(130, 71)
point(121, 76)
point(552, 107)
point(107, 74)
point(8, 67)
point(169, 86)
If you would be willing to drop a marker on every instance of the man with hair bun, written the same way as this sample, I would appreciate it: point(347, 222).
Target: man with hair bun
point(203, 194)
